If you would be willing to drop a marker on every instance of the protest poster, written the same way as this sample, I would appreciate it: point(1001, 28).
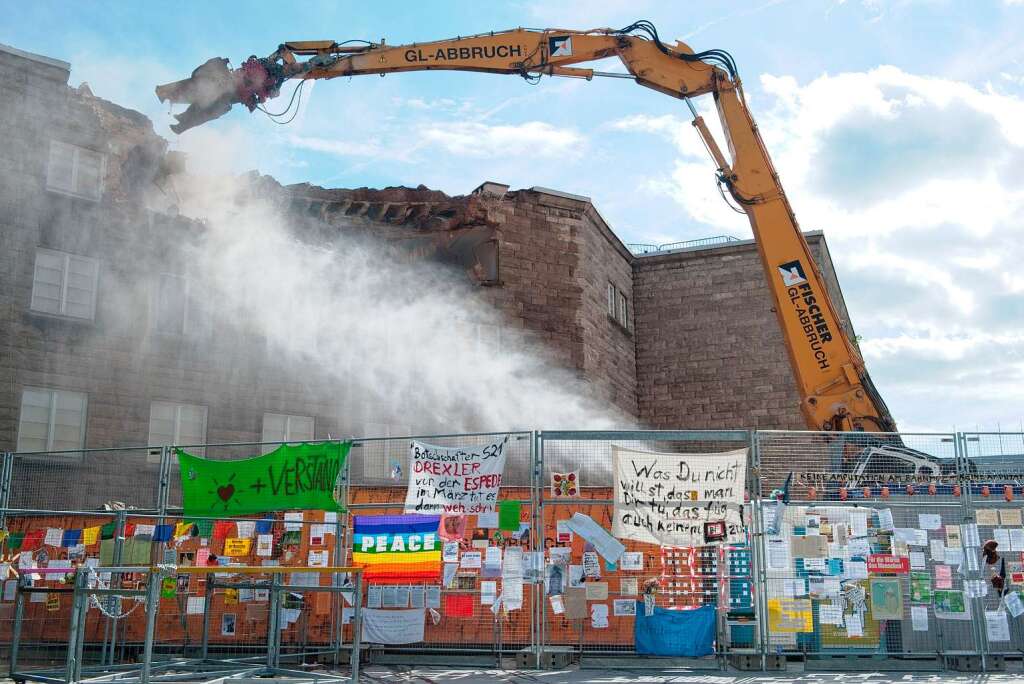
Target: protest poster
point(303, 477)
point(454, 479)
point(392, 626)
point(676, 499)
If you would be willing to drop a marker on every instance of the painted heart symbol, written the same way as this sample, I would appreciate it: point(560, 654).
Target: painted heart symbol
point(226, 492)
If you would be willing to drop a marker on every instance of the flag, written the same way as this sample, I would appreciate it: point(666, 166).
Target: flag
point(91, 535)
point(397, 549)
point(108, 531)
point(222, 529)
point(162, 533)
point(183, 529)
point(303, 477)
point(70, 538)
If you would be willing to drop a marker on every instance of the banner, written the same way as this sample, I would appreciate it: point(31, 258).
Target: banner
point(397, 549)
point(679, 499)
point(303, 477)
point(454, 480)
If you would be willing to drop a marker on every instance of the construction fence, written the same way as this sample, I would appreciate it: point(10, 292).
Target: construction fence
point(852, 548)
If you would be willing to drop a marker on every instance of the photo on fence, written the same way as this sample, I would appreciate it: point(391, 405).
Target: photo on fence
point(227, 624)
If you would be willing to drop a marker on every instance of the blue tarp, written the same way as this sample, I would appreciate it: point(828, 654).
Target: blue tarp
point(681, 633)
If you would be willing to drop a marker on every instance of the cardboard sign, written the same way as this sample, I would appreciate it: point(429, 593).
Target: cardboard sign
point(884, 563)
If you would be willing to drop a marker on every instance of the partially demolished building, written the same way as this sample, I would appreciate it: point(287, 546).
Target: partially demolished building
point(683, 338)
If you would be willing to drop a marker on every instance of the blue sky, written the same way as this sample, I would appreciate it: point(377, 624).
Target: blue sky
point(895, 126)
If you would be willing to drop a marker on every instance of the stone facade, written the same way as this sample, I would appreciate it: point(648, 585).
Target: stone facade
point(696, 347)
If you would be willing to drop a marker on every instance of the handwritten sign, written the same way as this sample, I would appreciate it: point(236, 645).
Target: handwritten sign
point(670, 499)
point(303, 477)
point(236, 547)
point(454, 480)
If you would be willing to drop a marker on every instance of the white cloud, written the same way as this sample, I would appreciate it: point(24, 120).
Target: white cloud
point(915, 180)
point(474, 139)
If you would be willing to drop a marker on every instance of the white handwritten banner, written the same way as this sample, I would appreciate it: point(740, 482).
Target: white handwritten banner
point(670, 499)
point(454, 479)
point(392, 626)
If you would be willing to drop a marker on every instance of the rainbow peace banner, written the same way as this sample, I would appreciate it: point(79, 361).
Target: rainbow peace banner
point(397, 549)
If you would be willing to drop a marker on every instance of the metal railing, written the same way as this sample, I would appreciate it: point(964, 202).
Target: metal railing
point(640, 248)
point(797, 586)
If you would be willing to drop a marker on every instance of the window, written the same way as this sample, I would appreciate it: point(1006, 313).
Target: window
point(51, 420)
point(171, 423)
point(171, 305)
point(64, 284)
point(623, 311)
point(379, 456)
point(618, 306)
point(74, 171)
point(278, 427)
point(611, 300)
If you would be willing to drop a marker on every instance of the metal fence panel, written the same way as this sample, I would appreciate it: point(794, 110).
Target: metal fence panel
point(688, 578)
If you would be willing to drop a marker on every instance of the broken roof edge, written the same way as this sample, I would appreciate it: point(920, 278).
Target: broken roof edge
point(42, 59)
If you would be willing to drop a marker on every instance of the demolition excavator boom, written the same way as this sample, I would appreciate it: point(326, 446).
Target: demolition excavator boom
point(836, 391)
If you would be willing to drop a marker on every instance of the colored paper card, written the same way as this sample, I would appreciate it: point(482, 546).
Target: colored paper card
point(168, 588)
point(222, 529)
point(301, 477)
point(458, 605)
point(397, 549)
point(508, 515)
point(565, 485)
point(453, 526)
point(70, 538)
point(1010, 517)
point(235, 547)
point(943, 577)
point(920, 587)
point(987, 516)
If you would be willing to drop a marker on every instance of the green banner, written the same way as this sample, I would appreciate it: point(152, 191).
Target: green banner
point(303, 477)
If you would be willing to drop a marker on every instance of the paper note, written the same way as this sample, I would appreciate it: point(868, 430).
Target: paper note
point(557, 606)
point(1017, 539)
point(389, 597)
point(433, 598)
point(830, 614)
point(563, 532)
point(1002, 537)
point(54, 536)
point(1014, 604)
point(778, 553)
point(265, 545)
point(816, 564)
point(919, 618)
point(492, 556)
point(929, 521)
point(591, 565)
point(997, 627)
point(392, 626)
point(854, 625)
point(196, 605)
point(860, 547)
point(987, 516)
point(318, 559)
point(628, 586)
point(292, 521)
point(472, 559)
point(943, 577)
point(814, 546)
point(917, 560)
point(488, 520)
point(575, 575)
point(448, 574)
point(373, 596)
point(450, 552)
point(954, 556)
point(1010, 517)
point(855, 570)
point(596, 591)
point(938, 550)
point(624, 607)
point(488, 592)
point(884, 519)
point(604, 543)
point(632, 560)
point(599, 615)
point(859, 523)
point(911, 536)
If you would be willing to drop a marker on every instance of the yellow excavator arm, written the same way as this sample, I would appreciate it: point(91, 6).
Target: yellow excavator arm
point(836, 391)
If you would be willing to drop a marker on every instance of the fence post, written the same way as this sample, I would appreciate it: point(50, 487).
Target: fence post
point(542, 613)
point(758, 551)
point(152, 606)
point(536, 535)
point(357, 628)
point(6, 473)
point(121, 518)
point(19, 617)
point(967, 517)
